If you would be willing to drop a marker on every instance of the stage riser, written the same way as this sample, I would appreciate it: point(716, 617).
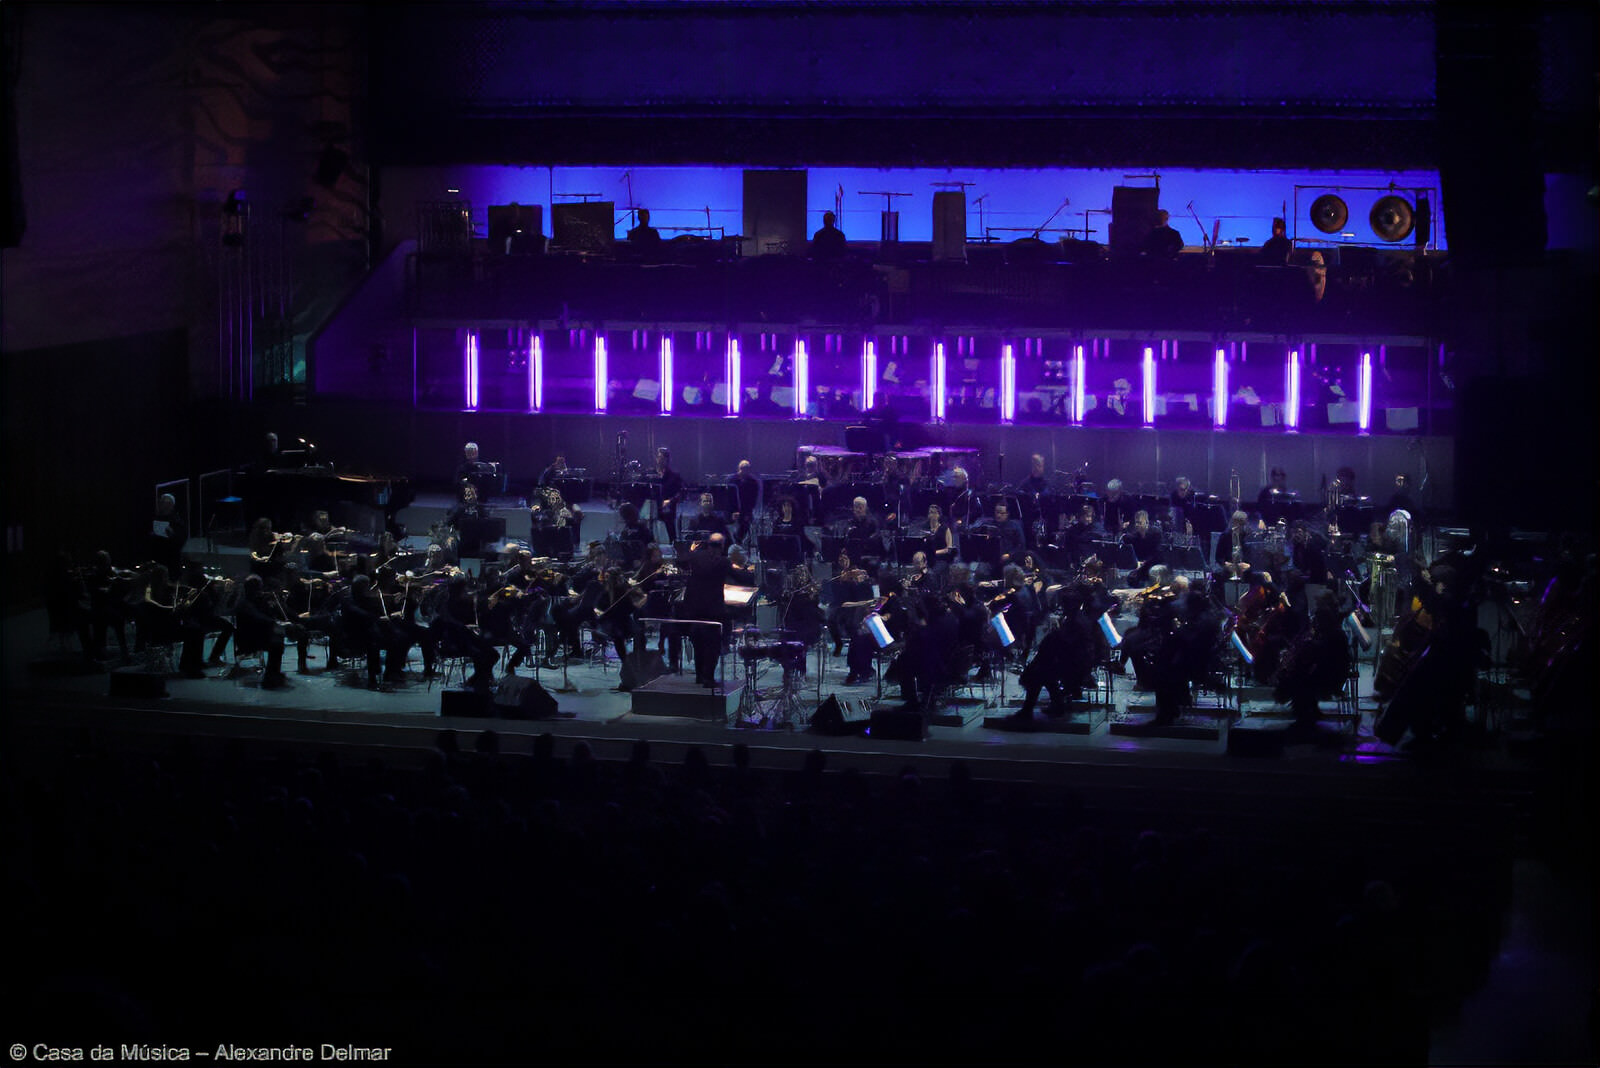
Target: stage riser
point(675, 695)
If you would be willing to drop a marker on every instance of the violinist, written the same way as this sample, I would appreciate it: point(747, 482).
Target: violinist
point(271, 554)
point(108, 588)
point(802, 611)
point(613, 619)
point(204, 599)
point(1314, 666)
point(406, 603)
point(849, 595)
point(260, 629)
point(1142, 644)
point(1019, 604)
point(364, 625)
point(456, 629)
point(318, 560)
point(161, 620)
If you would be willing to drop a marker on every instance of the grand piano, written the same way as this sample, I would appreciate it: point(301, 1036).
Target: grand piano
point(364, 503)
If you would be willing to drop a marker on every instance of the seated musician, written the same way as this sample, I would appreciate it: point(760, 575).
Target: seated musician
point(613, 619)
point(788, 520)
point(863, 528)
point(556, 471)
point(813, 475)
point(260, 628)
point(848, 595)
point(317, 559)
point(161, 619)
point(1272, 503)
point(1184, 504)
point(669, 493)
point(1309, 553)
point(205, 603)
point(270, 553)
point(705, 522)
point(469, 506)
point(1065, 660)
point(1006, 531)
point(109, 609)
point(478, 471)
point(1145, 540)
point(1038, 481)
point(956, 499)
point(1314, 666)
point(456, 633)
point(1078, 535)
point(1116, 509)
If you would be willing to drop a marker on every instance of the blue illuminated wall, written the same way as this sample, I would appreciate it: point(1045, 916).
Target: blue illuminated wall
point(1015, 203)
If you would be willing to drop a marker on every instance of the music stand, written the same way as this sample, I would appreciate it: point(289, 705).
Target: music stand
point(978, 547)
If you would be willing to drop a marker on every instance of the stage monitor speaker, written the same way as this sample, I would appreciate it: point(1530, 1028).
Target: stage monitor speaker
point(949, 227)
point(473, 704)
point(775, 213)
point(585, 227)
point(520, 697)
point(897, 724)
point(836, 719)
point(1133, 216)
point(516, 229)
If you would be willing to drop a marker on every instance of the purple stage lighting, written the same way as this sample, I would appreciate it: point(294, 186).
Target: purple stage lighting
point(536, 374)
point(470, 371)
point(1291, 391)
point(1364, 395)
point(1219, 391)
point(869, 374)
point(1008, 384)
point(802, 378)
point(1077, 383)
point(936, 392)
point(666, 374)
point(602, 381)
point(735, 384)
point(1149, 386)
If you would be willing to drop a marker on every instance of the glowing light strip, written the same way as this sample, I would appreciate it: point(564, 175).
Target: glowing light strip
point(936, 393)
point(1291, 416)
point(1149, 386)
point(1077, 383)
point(470, 371)
point(1008, 384)
point(536, 374)
point(869, 374)
point(735, 386)
point(1364, 395)
point(602, 376)
point(666, 374)
point(1219, 391)
point(802, 378)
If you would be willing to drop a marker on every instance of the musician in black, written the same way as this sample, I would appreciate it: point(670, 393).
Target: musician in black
point(109, 608)
point(1314, 666)
point(634, 534)
point(1275, 250)
point(1006, 531)
point(848, 594)
point(940, 541)
point(895, 488)
point(168, 534)
point(746, 499)
point(1038, 481)
point(553, 473)
point(1272, 503)
point(707, 521)
point(1164, 242)
point(1065, 661)
point(259, 628)
point(709, 571)
point(956, 499)
point(1079, 535)
point(1185, 506)
point(270, 553)
point(669, 493)
point(1309, 553)
point(1116, 509)
point(1144, 538)
point(456, 634)
point(614, 618)
point(205, 602)
point(828, 243)
point(1400, 500)
point(644, 237)
point(161, 620)
point(863, 526)
point(481, 473)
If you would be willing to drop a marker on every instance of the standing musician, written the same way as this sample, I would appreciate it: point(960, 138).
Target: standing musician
point(746, 499)
point(168, 534)
point(669, 493)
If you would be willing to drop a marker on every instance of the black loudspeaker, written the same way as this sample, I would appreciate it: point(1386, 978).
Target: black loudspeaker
point(830, 719)
point(587, 226)
point(137, 682)
point(1133, 216)
point(474, 704)
point(775, 213)
point(520, 697)
point(897, 724)
point(516, 229)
